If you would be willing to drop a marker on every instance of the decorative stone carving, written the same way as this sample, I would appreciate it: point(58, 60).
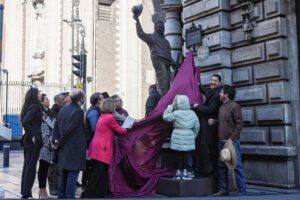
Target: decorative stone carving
point(247, 11)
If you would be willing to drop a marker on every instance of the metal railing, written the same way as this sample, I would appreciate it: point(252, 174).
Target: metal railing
point(16, 94)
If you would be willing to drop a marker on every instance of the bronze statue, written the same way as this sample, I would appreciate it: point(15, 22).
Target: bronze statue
point(160, 50)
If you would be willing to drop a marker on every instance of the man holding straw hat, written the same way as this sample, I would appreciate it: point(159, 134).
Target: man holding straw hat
point(230, 126)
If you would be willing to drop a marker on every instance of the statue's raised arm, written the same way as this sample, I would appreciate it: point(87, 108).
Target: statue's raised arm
point(160, 50)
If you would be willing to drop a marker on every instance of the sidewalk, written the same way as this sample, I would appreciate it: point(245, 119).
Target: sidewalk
point(10, 180)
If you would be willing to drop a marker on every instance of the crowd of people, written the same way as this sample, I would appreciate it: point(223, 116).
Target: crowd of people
point(65, 140)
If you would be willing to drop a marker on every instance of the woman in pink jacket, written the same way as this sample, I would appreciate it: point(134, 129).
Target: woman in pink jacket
point(101, 150)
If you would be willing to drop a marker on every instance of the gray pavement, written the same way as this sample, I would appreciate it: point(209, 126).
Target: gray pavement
point(10, 180)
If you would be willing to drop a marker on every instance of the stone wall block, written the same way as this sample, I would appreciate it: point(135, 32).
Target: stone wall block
point(249, 54)
point(221, 39)
point(210, 23)
point(220, 58)
point(280, 135)
point(273, 114)
point(274, 8)
point(242, 76)
point(255, 135)
point(276, 49)
point(248, 115)
point(278, 92)
point(264, 30)
point(276, 70)
point(269, 171)
point(224, 73)
point(203, 8)
point(252, 94)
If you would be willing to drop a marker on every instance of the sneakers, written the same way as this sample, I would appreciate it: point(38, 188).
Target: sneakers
point(177, 176)
point(191, 174)
point(186, 176)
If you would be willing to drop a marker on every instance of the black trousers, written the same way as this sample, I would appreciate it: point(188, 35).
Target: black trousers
point(53, 178)
point(85, 174)
point(182, 159)
point(206, 159)
point(43, 173)
point(31, 156)
point(98, 180)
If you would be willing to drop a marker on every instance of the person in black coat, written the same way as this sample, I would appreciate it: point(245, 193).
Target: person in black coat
point(206, 154)
point(53, 172)
point(71, 144)
point(152, 99)
point(31, 119)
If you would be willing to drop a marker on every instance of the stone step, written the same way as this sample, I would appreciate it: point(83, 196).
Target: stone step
point(203, 186)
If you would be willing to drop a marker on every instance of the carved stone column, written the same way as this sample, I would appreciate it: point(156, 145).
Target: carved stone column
point(173, 25)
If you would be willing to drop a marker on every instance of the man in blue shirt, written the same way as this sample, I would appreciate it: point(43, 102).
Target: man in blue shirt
point(91, 119)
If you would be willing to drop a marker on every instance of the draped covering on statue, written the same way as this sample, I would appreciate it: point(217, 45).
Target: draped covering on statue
point(133, 171)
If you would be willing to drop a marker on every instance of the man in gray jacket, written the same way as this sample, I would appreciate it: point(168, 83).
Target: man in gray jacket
point(71, 144)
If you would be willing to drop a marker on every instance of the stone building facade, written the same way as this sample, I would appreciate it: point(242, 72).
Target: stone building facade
point(254, 46)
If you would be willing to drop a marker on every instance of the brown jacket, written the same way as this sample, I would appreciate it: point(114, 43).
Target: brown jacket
point(230, 121)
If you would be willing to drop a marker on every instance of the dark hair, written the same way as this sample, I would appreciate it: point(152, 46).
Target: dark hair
point(108, 106)
point(105, 95)
point(95, 98)
point(43, 96)
point(77, 96)
point(218, 76)
point(153, 87)
point(114, 97)
point(31, 97)
point(227, 89)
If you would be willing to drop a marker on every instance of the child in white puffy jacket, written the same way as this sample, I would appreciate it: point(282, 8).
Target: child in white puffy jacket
point(186, 127)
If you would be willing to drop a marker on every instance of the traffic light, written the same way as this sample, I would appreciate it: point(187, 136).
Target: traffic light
point(80, 65)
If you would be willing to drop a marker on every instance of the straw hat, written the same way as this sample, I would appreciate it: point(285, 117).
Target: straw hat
point(137, 10)
point(228, 155)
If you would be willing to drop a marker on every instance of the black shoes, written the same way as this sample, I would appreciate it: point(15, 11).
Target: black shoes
point(221, 193)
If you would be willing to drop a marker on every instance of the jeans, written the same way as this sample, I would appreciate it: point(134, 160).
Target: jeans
point(239, 170)
point(67, 184)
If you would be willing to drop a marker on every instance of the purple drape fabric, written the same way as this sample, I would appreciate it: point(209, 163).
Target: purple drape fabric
point(132, 171)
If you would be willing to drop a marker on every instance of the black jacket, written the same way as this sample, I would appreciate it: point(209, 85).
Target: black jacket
point(72, 141)
point(152, 102)
point(32, 125)
point(210, 109)
point(55, 110)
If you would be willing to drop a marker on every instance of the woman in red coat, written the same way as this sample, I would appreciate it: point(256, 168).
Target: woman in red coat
point(101, 150)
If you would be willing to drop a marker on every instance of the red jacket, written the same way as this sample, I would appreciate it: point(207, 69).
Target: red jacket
point(101, 147)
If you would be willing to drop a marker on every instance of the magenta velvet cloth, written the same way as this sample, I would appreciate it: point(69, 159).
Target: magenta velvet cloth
point(132, 171)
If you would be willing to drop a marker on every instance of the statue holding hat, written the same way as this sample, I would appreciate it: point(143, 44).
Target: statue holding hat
point(160, 50)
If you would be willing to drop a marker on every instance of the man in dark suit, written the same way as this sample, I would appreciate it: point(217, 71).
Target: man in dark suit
point(71, 144)
point(152, 99)
point(206, 154)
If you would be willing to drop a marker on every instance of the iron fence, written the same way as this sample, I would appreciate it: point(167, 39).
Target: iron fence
point(16, 94)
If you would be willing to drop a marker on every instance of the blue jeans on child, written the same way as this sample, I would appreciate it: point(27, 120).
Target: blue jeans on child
point(239, 170)
point(67, 184)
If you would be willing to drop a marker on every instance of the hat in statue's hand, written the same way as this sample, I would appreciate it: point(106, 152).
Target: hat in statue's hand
point(228, 155)
point(137, 10)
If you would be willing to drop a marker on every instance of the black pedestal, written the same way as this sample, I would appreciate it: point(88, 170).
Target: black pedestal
point(186, 188)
